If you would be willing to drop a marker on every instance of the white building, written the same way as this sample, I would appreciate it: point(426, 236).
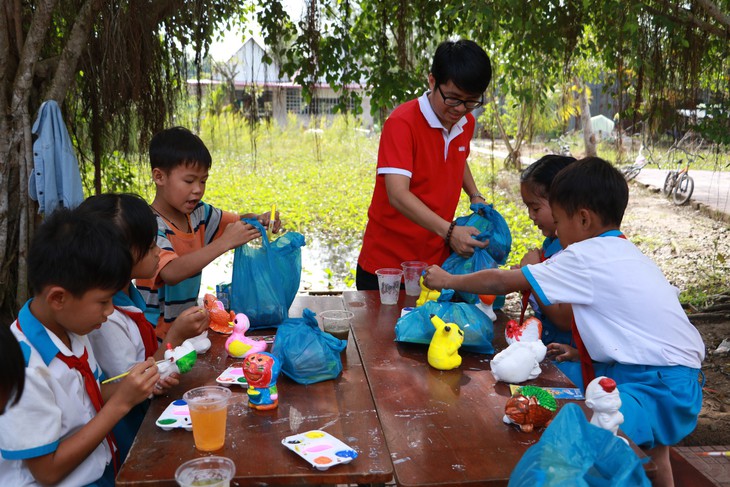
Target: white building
point(276, 96)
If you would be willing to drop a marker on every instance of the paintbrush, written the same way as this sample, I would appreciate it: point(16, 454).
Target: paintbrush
point(713, 453)
point(272, 218)
point(127, 372)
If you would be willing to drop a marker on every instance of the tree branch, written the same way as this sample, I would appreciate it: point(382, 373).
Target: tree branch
point(77, 41)
point(685, 17)
point(18, 18)
point(714, 11)
point(31, 52)
point(4, 59)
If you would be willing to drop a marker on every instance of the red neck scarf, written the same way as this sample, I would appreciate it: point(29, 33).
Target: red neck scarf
point(146, 331)
point(92, 390)
point(586, 362)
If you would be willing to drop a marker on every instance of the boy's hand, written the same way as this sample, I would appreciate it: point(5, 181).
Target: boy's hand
point(164, 384)
point(190, 323)
point(462, 243)
point(138, 385)
point(531, 257)
point(435, 278)
point(238, 233)
point(561, 352)
point(265, 220)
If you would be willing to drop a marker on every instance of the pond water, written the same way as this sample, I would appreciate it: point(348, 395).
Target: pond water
point(320, 253)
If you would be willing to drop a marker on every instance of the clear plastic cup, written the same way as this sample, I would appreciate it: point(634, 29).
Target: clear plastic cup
point(336, 322)
point(389, 284)
point(208, 411)
point(412, 270)
point(208, 471)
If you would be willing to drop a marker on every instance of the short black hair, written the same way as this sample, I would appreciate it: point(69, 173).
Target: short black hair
point(540, 174)
point(594, 184)
point(80, 252)
point(464, 63)
point(178, 146)
point(132, 216)
point(12, 364)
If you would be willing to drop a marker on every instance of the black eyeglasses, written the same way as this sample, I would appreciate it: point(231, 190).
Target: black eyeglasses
point(455, 102)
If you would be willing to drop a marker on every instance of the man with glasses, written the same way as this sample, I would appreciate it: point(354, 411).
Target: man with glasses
point(422, 168)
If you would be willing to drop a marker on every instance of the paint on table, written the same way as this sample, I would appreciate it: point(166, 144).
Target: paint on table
point(320, 449)
point(232, 376)
point(176, 415)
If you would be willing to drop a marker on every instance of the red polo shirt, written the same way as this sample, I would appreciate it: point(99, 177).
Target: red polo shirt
point(414, 143)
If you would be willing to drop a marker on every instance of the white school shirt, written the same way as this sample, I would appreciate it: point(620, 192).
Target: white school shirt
point(117, 344)
point(625, 309)
point(54, 405)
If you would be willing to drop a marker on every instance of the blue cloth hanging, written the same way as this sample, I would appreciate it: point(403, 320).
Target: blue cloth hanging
point(55, 181)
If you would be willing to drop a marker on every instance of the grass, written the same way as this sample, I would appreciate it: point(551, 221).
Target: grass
point(321, 180)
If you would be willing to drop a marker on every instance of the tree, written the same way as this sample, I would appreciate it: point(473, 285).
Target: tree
point(112, 66)
point(118, 67)
point(654, 50)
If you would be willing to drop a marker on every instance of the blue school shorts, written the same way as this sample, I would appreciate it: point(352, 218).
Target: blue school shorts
point(572, 371)
point(660, 404)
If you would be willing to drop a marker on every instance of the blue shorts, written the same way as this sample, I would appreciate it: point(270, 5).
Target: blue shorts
point(660, 404)
point(572, 371)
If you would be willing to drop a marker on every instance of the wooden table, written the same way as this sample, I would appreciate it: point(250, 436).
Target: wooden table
point(342, 407)
point(442, 427)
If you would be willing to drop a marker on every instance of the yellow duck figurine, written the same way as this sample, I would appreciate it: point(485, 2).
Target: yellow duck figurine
point(426, 294)
point(443, 353)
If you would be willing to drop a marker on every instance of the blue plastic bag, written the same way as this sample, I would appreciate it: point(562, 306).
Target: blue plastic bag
point(307, 354)
point(266, 279)
point(416, 326)
point(493, 227)
point(574, 452)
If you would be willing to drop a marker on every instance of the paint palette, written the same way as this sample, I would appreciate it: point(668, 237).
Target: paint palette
point(232, 376)
point(176, 415)
point(319, 448)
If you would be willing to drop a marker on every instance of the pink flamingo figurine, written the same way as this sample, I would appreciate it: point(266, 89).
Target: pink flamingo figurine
point(238, 344)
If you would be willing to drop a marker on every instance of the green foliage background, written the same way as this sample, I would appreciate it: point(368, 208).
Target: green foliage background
point(321, 181)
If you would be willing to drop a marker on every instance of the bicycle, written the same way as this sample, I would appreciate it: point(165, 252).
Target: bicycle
point(679, 184)
point(564, 147)
point(632, 170)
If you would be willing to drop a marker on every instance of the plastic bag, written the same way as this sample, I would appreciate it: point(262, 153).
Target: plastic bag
point(266, 279)
point(574, 452)
point(416, 326)
point(492, 227)
point(307, 354)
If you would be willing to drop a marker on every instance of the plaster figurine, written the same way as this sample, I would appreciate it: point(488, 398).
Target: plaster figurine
point(200, 343)
point(603, 398)
point(220, 319)
point(443, 352)
point(519, 362)
point(238, 345)
point(531, 407)
point(486, 301)
point(261, 371)
point(529, 331)
point(180, 359)
point(426, 294)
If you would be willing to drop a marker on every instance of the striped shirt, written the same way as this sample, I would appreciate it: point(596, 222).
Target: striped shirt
point(165, 302)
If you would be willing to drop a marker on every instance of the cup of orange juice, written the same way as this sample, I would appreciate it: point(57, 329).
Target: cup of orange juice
point(208, 410)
